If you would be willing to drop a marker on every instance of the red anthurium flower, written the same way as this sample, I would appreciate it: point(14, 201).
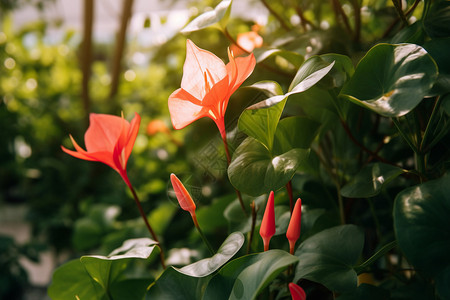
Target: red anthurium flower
point(109, 139)
point(206, 86)
point(182, 194)
point(297, 292)
point(293, 231)
point(267, 229)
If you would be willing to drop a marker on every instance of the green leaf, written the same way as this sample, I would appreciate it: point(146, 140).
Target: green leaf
point(262, 54)
point(422, 226)
point(254, 171)
point(329, 256)
point(294, 132)
point(437, 20)
point(173, 285)
point(316, 68)
point(236, 218)
point(106, 270)
point(392, 79)
point(71, 280)
point(370, 180)
point(268, 87)
point(208, 266)
point(367, 292)
point(437, 48)
point(219, 15)
point(261, 124)
point(247, 276)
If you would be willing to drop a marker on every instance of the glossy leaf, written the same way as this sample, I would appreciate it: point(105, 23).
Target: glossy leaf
point(208, 266)
point(328, 258)
point(219, 15)
point(370, 180)
point(71, 280)
point(392, 79)
point(255, 171)
point(262, 54)
point(247, 276)
point(268, 87)
point(422, 227)
point(106, 270)
point(437, 48)
point(294, 132)
point(261, 124)
point(173, 285)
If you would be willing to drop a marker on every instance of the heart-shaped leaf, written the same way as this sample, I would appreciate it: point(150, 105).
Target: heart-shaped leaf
point(329, 256)
point(254, 171)
point(370, 180)
point(219, 17)
point(247, 276)
point(71, 281)
point(392, 79)
point(261, 124)
point(173, 285)
point(422, 227)
point(294, 132)
point(208, 266)
point(105, 270)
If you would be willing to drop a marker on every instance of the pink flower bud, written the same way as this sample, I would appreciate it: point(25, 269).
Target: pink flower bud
point(267, 229)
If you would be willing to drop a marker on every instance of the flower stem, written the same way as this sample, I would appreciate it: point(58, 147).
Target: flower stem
point(227, 151)
point(205, 240)
point(291, 196)
point(252, 231)
point(147, 224)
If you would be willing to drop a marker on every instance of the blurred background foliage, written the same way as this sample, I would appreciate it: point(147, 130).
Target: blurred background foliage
point(77, 207)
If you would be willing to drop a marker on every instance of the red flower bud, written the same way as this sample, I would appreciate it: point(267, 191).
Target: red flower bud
point(293, 231)
point(267, 229)
point(297, 292)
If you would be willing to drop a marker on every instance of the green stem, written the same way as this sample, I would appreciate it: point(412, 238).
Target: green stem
point(403, 135)
point(398, 8)
point(430, 123)
point(147, 224)
point(252, 231)
point(205, 240)
point(385, 249)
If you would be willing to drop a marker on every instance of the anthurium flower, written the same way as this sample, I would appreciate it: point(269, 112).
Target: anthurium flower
point(297, 292)
point(206, 86)
point(293, 231)
point(183, 196)
point(267, 229)
point(109, 139)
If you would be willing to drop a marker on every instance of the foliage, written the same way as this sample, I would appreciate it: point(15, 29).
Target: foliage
point(347, 108)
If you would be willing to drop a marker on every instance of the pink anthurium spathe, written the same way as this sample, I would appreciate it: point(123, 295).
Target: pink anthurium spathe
point(109, 139)
point(297, 292)
point(293, 231)
point(206, 86)
point(267, 229)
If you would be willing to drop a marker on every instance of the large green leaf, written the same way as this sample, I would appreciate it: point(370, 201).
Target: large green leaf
point(247, 276)
point(94, 277)
point(422, 226)
point(261, 124)
point(173, 285)
point(318, 68)
point(294, 132)
point(370, 180)
point(208, 266)
point(216, 17)
point(106, 269)
point(437, 20)
point(438, 48)
point(71, 281)
point(392, 79)
point(329, 256)
point(254, 171)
